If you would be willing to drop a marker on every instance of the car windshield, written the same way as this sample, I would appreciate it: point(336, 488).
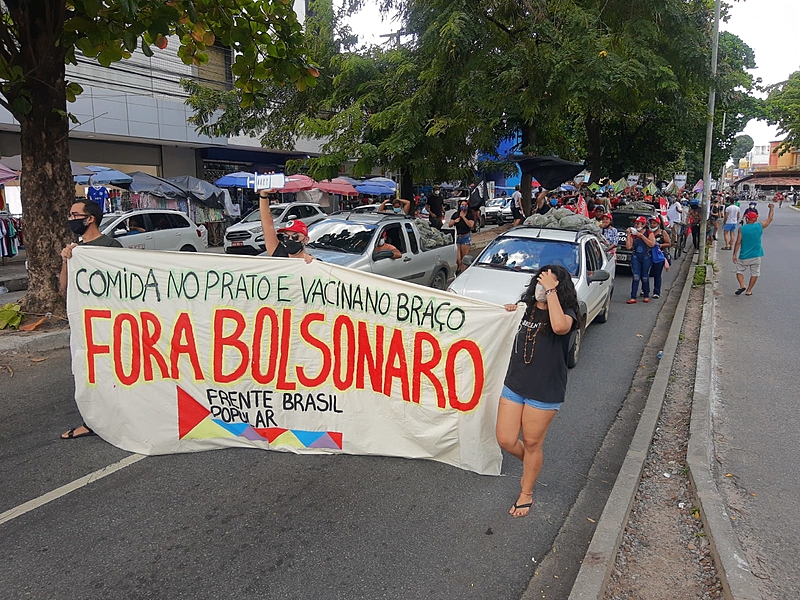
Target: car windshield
point(256, 215)
point(347, 237)
point(107, 220)
point(497, 202)
point(529, 254)
point(624, 220)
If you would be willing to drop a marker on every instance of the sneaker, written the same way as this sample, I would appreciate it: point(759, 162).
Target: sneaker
point(656, 296)
point(646, 299)
point(632, 301)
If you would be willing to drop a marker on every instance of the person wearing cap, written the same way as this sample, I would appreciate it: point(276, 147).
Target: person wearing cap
point(641, 241)
point(656, 227)
point(748, 250)
point(289, 241)
point(610, 233)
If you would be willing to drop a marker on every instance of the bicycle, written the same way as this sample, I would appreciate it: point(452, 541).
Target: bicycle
point(683, 235)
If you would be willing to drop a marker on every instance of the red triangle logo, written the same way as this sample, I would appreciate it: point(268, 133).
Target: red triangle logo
point(336, 436)
point(190, 413)
point(270, 433)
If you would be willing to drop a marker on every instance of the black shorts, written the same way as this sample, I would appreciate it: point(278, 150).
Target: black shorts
point(516, 213)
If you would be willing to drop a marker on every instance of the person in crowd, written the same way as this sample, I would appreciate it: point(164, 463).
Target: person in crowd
point(436, 208)
point(751, 208)
point(641, 241)
point(664, 242)
point(289, 241)
point(779, 199)
point(399, 206)
point(729, 228)
point(748, 251)
point(516, 206)
point(676, 215)
point(693, 222)
point(464, 222)
point(84, 218)
point(135, 225)
point(610, 233)
point(536, 380)
point(713, 217)
point(383, 245)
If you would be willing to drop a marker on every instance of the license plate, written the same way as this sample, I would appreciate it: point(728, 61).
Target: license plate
point(237, 243)
point(621, 258)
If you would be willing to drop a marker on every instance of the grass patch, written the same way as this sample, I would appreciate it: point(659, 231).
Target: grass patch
point(699, 275)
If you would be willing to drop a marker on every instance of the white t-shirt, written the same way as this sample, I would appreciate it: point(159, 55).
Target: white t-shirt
point(732, 215)
point(675, 213)
point(516, 199)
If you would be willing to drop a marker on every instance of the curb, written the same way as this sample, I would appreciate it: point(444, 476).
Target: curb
point(738, 581)
point(19, 343)
point(595, 570)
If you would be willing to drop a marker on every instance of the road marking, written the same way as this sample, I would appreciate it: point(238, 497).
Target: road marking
point(57, 493)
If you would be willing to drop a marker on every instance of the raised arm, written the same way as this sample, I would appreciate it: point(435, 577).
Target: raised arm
point(406, 205)
point(267, 225)
point(766, 223)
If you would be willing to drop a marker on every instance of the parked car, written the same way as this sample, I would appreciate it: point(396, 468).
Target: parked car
point(428, 259)
point(155, 229)
point(502, 272)
point(623, 219)
point(362, 209)
point(246, 236)
point(494, 210)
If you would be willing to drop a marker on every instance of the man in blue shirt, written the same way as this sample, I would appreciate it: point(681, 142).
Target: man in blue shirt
point(748, 250)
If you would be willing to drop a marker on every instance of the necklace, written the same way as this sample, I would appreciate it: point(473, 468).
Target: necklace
point(530, 341)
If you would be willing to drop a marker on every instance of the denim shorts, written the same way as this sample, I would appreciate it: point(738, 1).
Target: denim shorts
point(464, 240)
point(517, 399)
point(729, 227)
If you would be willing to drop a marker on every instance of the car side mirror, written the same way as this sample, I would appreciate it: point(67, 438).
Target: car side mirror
point(291, 218)
point(120, 232)
point(467, 260)
point(599, 275)
point(383, 254)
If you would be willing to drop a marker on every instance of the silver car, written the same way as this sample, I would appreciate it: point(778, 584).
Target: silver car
point(502, 272)
point(247, 237)
point(352, 242)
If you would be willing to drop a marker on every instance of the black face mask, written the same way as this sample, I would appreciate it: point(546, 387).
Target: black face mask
point(293, 247)
point(77, 226)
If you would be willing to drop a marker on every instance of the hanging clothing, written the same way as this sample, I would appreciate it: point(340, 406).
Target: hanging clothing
point(8, 237)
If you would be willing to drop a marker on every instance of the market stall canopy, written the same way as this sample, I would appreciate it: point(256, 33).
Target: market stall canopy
point(240, 179)
point(150, 184)
point(298, 183)
point(549, 171)
point(385, 181)
point(339, 185)
point(376, 189)
point(15, 164)
point(7, 174)
point(104, 176)
point(202, 191)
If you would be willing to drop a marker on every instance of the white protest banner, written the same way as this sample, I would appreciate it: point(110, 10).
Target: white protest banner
point(633, 179)
point(182, 352)
point(680, 180)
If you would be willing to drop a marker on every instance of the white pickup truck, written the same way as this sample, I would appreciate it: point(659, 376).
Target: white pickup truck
point(351, 240)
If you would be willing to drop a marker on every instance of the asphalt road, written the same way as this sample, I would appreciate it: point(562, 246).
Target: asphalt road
point(252, 524)
point(757, 421)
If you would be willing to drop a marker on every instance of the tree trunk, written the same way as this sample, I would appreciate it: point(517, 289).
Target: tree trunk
point(47, 187)
point(407, 185)
point(528, 147)
point(592, 125)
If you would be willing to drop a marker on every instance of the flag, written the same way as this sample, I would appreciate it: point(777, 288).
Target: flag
point(583, 210)
point(698, 187)
point(620, 185)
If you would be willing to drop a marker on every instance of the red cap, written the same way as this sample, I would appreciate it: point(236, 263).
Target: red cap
point(296, 226)
point(640, 219)
point(751, 216)
point(608, 216)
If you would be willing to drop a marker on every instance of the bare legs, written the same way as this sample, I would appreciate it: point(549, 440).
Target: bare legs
point(740, 279)
point(533, 422)
point(463, 250)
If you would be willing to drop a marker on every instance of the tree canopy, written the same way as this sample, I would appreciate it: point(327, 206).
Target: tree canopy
point(742, 144)
point(783, 110)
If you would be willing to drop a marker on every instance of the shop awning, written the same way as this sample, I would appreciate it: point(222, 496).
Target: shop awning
point(202, 191)
point(773, 181)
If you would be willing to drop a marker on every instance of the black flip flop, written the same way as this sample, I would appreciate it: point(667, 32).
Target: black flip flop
point(518, 506)
point(71, 433)
point(739, 291)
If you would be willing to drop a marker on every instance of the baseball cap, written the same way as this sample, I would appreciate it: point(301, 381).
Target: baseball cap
point(295, 226)
point(640, 219)
point(751, 216)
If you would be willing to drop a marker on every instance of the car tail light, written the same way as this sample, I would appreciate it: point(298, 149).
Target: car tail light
point(199, 233)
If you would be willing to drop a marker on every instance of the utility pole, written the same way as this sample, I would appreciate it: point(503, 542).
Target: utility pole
point(712, 96)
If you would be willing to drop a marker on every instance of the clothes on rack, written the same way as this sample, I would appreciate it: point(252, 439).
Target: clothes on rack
point(9, 236)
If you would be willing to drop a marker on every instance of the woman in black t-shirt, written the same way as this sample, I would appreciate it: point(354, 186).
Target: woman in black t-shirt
point(536, 381)
point(463, 221)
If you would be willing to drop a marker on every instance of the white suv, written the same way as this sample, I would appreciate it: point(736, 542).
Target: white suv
point(155, 229)
point(246, 236)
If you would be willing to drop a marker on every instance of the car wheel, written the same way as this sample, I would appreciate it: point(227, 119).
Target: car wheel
point(439, 281)
point(188, 248)
point(603, 316)
point(574, 349)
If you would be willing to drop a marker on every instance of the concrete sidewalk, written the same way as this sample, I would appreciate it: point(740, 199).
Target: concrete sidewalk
point(755, 412)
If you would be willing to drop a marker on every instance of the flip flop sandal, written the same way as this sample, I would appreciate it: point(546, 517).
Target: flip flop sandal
point(71, 433)
point(739, 291)
point(527, 505)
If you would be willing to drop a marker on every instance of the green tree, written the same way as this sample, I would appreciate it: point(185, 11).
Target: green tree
point(39, 37)
point(783, 110)
point(742, 144)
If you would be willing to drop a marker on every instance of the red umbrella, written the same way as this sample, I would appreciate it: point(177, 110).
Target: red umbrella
point(338, 185)
point(297, 183)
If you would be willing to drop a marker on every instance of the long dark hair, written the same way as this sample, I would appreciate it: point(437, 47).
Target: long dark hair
point(567, 296)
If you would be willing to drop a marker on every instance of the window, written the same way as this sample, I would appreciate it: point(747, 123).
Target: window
point(412, 238)
point(179, 221)
point(301, 212)
point(528, 254)
point(394, 236)
point(594, 257)
point(160, 221)
point(341, 236)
